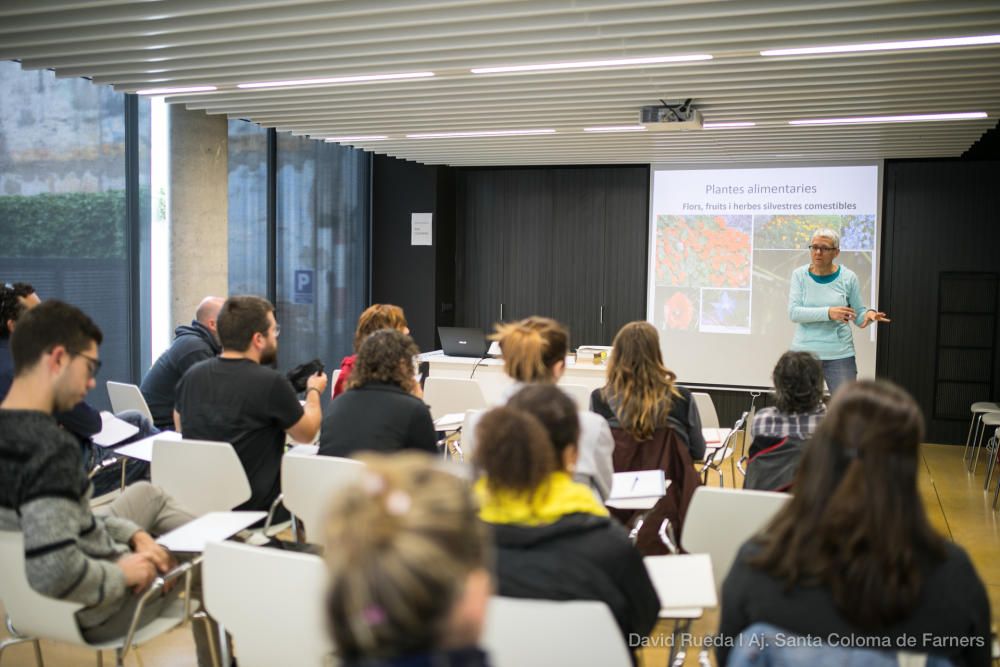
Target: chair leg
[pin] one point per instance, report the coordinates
(979, 447)
(11, 641)
(968, 438)
(992, 446)
(976, 435)
(996, 495)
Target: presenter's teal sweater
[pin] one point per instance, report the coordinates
(809, 301)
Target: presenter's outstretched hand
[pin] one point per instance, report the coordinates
(841, 313)
(874, 316)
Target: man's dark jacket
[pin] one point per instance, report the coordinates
(191, 344)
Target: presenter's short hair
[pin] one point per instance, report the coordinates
(828, 233)
(240, 318)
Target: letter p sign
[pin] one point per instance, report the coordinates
(304, 289)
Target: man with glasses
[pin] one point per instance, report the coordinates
(95, 558)
(238, 398)
(824, 298)
(82, 420)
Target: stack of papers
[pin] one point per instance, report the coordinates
(639, 484)
(450, 421)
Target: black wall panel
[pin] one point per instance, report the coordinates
(939, 216)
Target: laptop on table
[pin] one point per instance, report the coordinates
(463, 342)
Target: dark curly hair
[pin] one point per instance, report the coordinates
(798, 382)
(386, 356)
(11, 306)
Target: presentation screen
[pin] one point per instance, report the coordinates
(723, 245)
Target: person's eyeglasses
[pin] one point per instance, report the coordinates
(277, 330)
(93, 365)
(821, 248)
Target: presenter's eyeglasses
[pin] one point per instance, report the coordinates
(821, 248)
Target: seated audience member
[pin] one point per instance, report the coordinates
(192, 343)
(852, 553)
(656, 426)
(798, 399)
(82, 420)
(779, 433)
(534, 352)
(641, 394)
(379, 411)
(409, 568)
(101, 559)
(375, 317)
(238, 398)
(554, 539)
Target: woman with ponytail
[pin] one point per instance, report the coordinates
(852, 554)
(554, 539)
(641, 394)
(534, 353)
(409, 568)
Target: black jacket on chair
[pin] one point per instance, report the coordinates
(579, 557)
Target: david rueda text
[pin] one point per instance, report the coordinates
(780, 639)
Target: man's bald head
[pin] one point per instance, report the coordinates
(208, 311)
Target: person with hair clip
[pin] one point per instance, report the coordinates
(554, 539)
(409, 567)
(852, 554)
(641, 394)
(534, 352)
(375, 317)
(381, 409)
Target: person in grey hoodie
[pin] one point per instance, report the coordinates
(192, 344)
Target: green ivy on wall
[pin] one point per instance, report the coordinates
(78, 224)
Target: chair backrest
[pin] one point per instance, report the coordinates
(579, 393)
(334, 375)
(539, 633)
(31, 613)
(201, 476)
(706, 409)
(126, 396)
(447, 395)
(271, 601)
(308, 482)
(720, 520)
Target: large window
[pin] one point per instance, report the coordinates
(66, 222)
(319, 217)
(322, 228)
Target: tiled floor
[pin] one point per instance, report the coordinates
(954, 500)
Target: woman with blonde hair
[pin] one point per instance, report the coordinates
(375, 317)
(409, 567)
(534, 352)
(641, 394)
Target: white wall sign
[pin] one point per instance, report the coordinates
(420, 229)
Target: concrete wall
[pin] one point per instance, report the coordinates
(199, 189)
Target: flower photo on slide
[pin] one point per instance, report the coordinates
(679, 310)
(703, 250)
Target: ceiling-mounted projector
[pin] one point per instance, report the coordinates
(666, 117)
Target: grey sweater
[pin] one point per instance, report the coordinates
(70, 553)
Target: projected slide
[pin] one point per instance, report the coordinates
(723, 246)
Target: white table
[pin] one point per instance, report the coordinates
(211, 527)
(644, 498)
(494, 380)
(683, 582)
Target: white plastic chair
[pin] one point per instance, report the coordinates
(540, 633)
(282, 622)
(719, 521)
(308, 482)
(126, 396)
(33, 616)
(201, 476)
(579, 393)
(334, 375)
(446, 395)
(706, 409)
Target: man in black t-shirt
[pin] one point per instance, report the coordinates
(237, 398)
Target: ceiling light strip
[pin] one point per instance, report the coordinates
(175, 91)
(916, 118)
(589, 64)
(887, 46)
(365, 78)
(616, 128)
(485, 133)
(358, 139)
(726, 126)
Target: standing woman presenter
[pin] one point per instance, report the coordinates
(823, 299)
